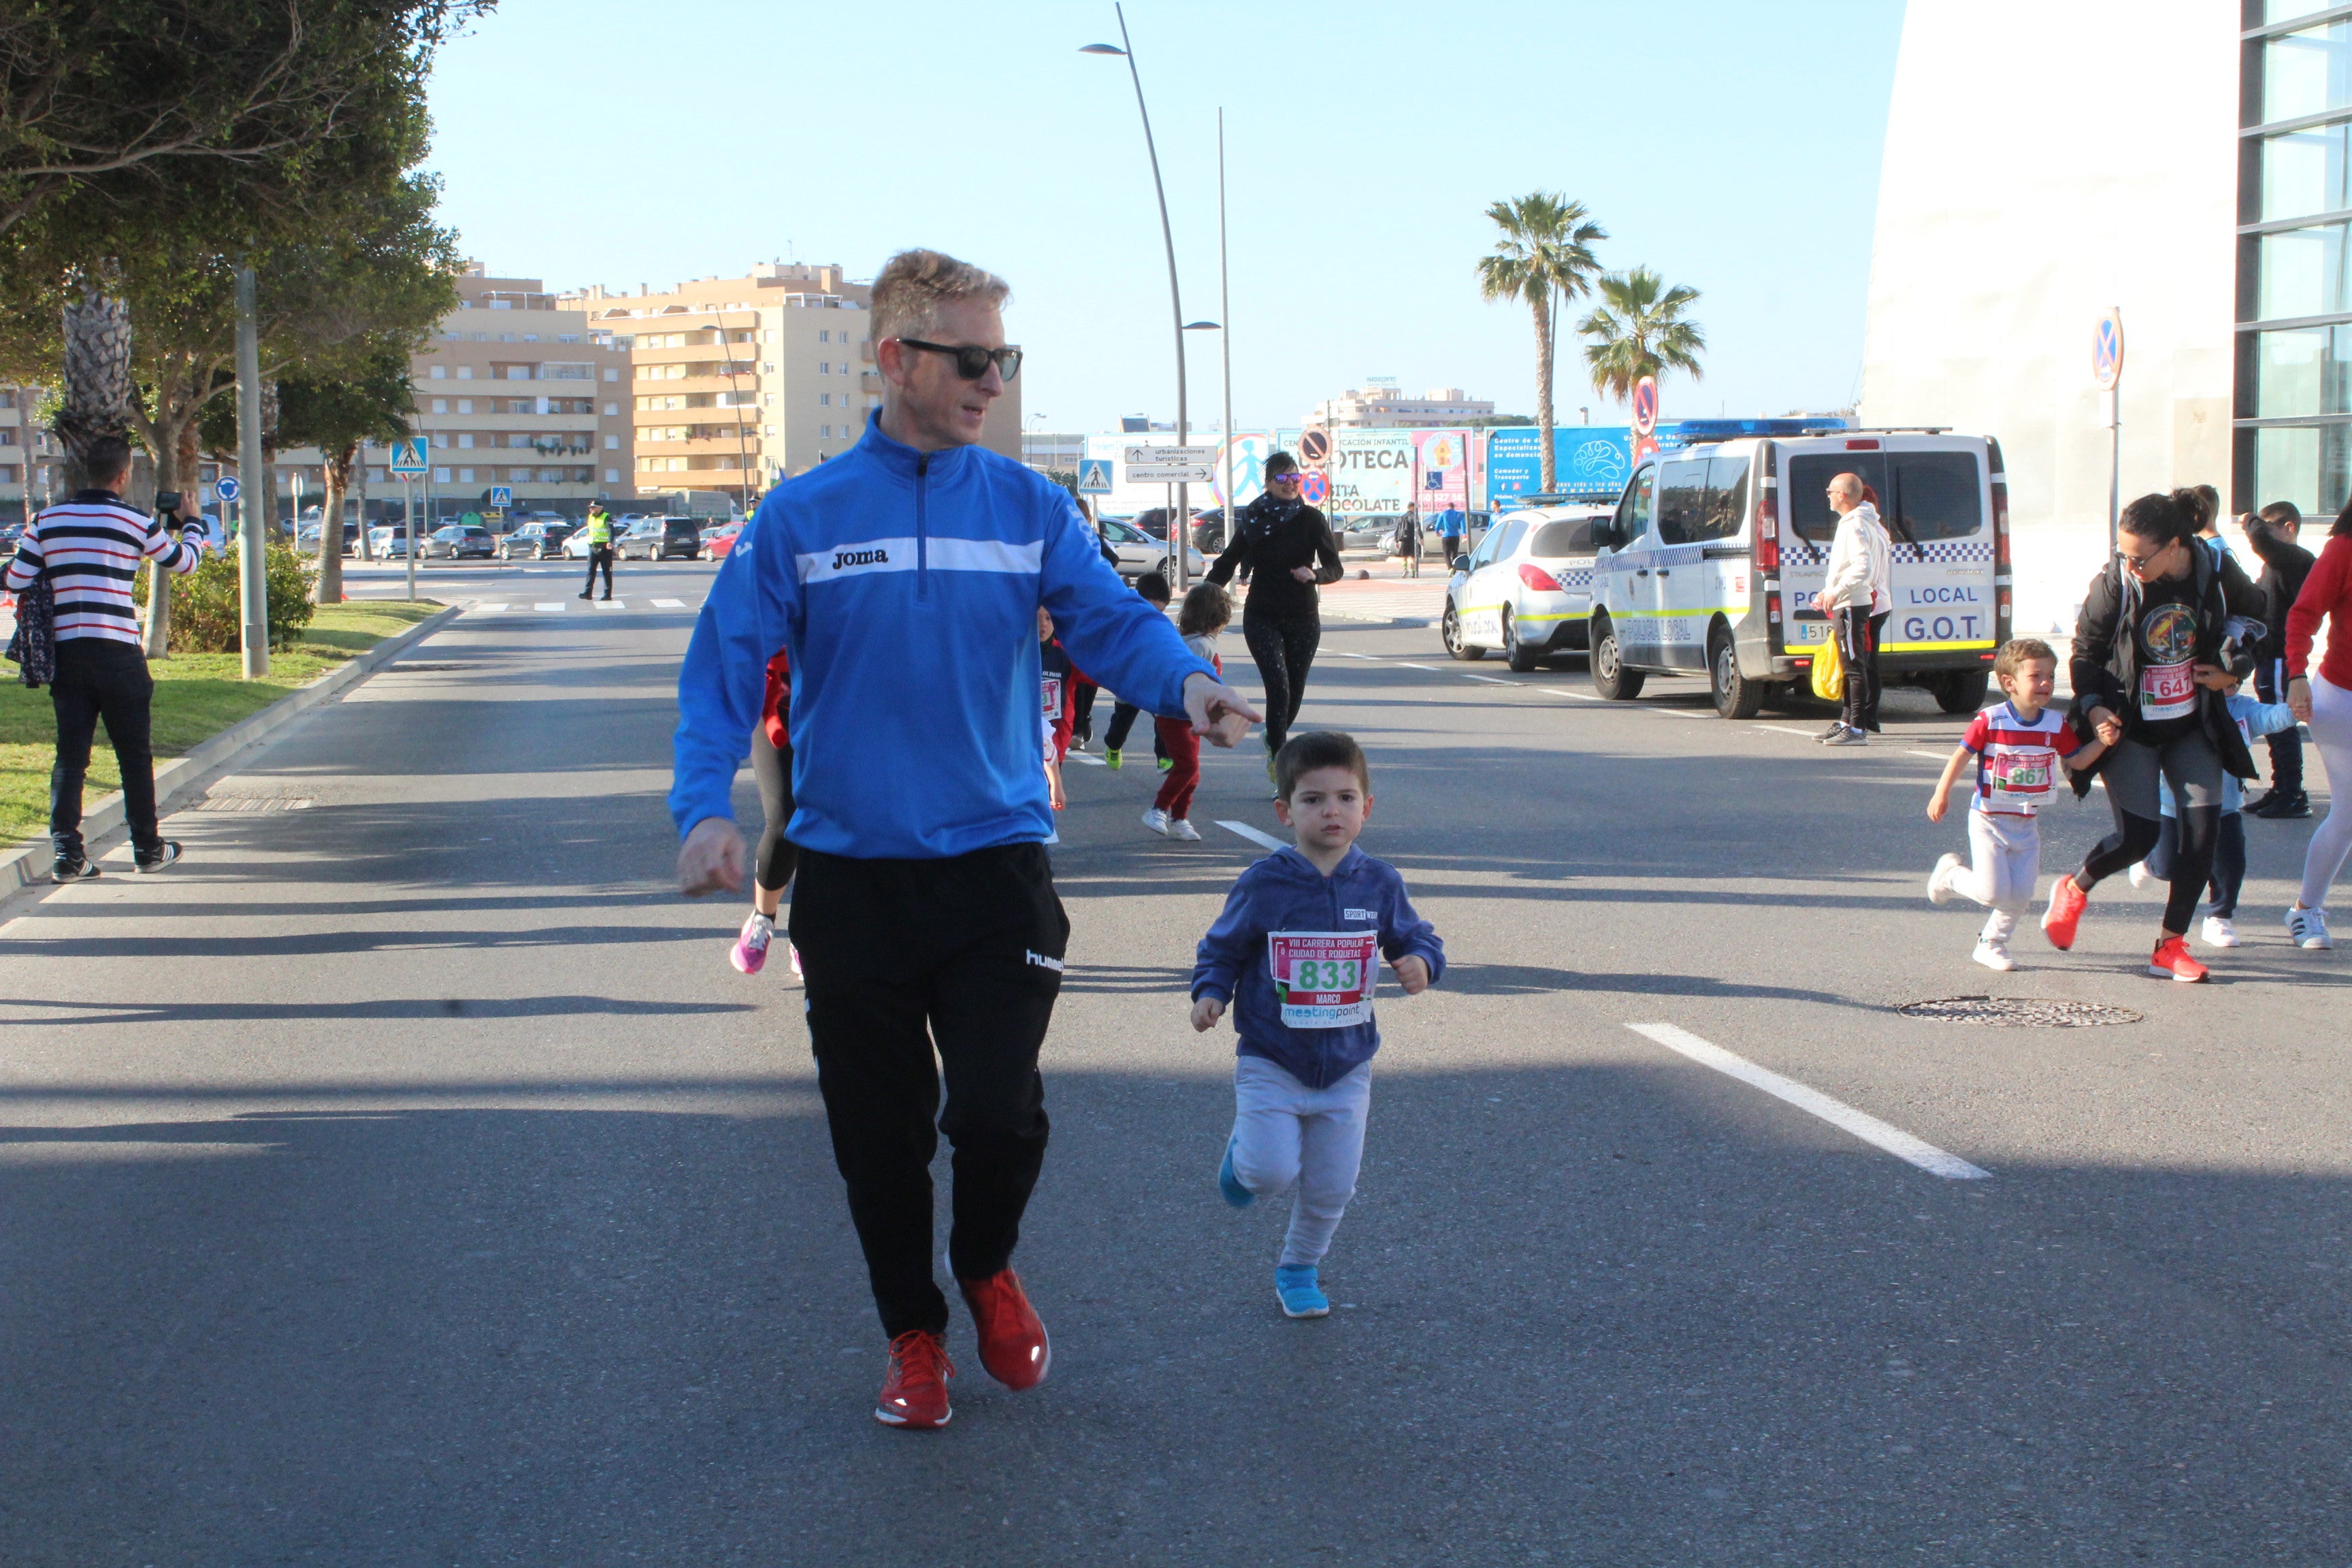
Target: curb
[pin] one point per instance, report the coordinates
(29, 866)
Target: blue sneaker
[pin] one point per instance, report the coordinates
(1301, 1297)
(1240, 1196)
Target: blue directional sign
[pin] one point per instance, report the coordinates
(1093, 476)
(410, 457)
(228, 488)
(502, 496)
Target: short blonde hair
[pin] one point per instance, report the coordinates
(916, 283)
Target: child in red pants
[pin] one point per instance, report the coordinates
(1203, 615)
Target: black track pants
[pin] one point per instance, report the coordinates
(1285, 652)
(600, 555)
(901, 958)
(771, 768)
(2191, 764)
(98, 677)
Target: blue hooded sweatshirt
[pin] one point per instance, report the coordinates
(906, 586)
(1285, 892)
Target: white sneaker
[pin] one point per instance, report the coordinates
(2140, 875)
(1157, 820)
(2218, 932)
(1180, 828)
(1994, 955)
(1940, 881)
(2309, 929)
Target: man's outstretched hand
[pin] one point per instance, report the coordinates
(711, 858)
(1217, 711)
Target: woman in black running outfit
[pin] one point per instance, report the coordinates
(1289, 549)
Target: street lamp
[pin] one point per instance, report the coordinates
(1125, 48)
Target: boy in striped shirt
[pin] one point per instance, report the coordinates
(90, 547)
(2017, 747)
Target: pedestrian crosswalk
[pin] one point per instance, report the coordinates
(560, 606)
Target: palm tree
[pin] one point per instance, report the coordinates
(1638, 330)
(1544, 257)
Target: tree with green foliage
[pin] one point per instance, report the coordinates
(1544, 258)
(1638, 330)
(338, 414)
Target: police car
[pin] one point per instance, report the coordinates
(1713, 556)
(1527, 589)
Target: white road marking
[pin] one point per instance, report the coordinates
(1343, 653)
(557, 606)
(480, 606)
(1784, 730)
(610, 604)
(1836, 1112)
(1931, 756)
(1491, 679)
(1580, 695)
(1431, 668)
(1251, 833)
(669, 604)
(1089, 760)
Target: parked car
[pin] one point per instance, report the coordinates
(307, 540)
(534, 542)
(575, 544)
(389, 542)
(717, 541)
(663, 539)
(1527, 589)
(1139, 553)
(1711, 561)
(457, 542)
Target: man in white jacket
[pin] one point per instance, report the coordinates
(1857, 598)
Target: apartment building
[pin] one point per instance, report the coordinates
(737, 382)
(1379, 405)
(26, 449)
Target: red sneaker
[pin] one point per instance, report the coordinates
(2066, 902)
(2172, 962)
(915, 1394)
(1013, 1343)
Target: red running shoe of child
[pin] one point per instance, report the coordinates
(1013, 1343)
(915, 1393)
(2066, 902)
(2172, 962)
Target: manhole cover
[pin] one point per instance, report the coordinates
(2018, 1013)
(254, 802)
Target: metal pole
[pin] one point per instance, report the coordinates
(1179, 543)
(408, 521)
(1225, 333)
(253, 558)
(2114, 464)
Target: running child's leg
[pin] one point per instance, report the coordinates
(2017, 865)
(1331, 1150)
(2167, 844)
(1979, 881)
(1176, 788)
(1265, 1151)
(2229, 865)
(1122, 720)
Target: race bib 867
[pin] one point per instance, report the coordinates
(1324, 980)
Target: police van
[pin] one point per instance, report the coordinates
(1718, 546)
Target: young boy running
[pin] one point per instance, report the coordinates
(1297, 954)
(2017, 747)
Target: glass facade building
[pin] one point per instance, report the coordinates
(2293, 438)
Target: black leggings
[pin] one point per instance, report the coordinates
(1285, 651)
(2191, 764)
(773, 767)
(1122, 720)
(2229, 861)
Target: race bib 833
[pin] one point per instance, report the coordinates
(1324, 980)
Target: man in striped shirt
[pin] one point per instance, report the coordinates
(91, 548)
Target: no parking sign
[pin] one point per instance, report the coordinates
(1314, 487)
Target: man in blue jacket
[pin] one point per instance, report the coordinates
(905, 577)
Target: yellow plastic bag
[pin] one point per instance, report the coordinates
(1829, 670)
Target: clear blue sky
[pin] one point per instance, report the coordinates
(1732, 146)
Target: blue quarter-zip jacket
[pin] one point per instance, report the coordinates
(1285, 892)
(906, 586)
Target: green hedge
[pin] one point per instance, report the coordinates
(206, 616)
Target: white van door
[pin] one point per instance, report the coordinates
(1622, 580)
(1702, 572)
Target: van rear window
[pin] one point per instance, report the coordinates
(1568, 536)
(1922, 496)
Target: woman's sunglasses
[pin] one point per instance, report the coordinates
(972, 362)
(1287, 476)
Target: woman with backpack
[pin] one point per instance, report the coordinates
(2151, 665)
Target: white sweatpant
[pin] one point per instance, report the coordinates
(1286, 1136)
(2331, 732)
(2004, 860)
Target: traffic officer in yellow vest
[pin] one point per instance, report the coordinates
(600, 549)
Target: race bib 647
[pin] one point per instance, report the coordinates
(1324, 980)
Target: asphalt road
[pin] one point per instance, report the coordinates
(407, 1178)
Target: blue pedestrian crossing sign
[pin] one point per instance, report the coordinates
(502, 496)
(1093, 476)
(410, 456)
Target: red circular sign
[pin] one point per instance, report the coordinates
(1314, 487)
(1645, 406)
(1314, 447)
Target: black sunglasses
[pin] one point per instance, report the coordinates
(972, 362)
(1290, 474)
